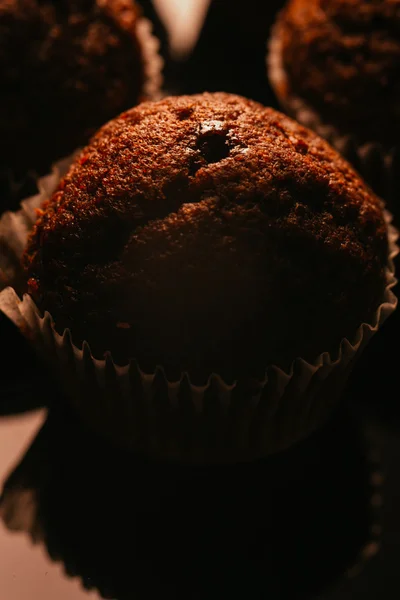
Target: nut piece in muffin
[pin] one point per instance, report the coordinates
(66, 67)
(342, 58)
(209, 234)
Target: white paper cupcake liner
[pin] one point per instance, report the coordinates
(377, 164)
(146, 412)
(153, 63)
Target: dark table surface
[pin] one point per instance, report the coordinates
(322, 521)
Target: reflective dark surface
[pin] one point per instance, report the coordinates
(284, 527)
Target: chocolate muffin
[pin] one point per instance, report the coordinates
(209, 234)
(67, 67)
(342, 58)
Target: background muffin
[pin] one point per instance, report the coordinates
(335, 65)
(209, 234)
(343, 58)
(67, 67)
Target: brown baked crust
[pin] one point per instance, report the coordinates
(343, 58)
(208, 233)
(67, 67)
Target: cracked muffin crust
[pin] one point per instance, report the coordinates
(208, 234)
(67, 67)
(342, 57)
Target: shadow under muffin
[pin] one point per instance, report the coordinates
(288, 526)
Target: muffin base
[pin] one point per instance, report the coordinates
(179, 420)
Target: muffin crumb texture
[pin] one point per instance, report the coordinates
(209, 234)
(343, 58)
(67, 66)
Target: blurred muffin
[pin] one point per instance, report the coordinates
(210, 235)
(67, 67)
(342, 57)
(335, 66)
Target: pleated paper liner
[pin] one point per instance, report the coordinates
(178, 420)
(377, 164)
(280, 527)
(153, 63)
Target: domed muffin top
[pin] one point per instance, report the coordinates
(67, 66)
(343, 58)
(208, 233)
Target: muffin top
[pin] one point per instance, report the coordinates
(343, 58)
(67, 66)
(208, 234)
